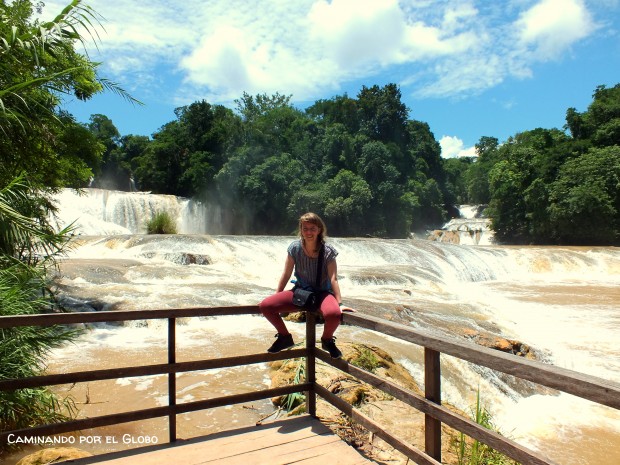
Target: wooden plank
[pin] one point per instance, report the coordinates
(172, 378)
(432, 392)
(314, 447)
(50, 319)
(310, 362)
(147, 370)
(301, 440)
(585, 386)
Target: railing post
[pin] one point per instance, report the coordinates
(172, 379)
(432, 391)
(310, 362)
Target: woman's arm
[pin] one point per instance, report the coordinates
(286, 274)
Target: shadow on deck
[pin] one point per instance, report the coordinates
(300, 440)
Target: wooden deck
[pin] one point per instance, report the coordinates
(298, 440)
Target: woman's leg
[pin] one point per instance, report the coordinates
(273, 305)
(331, 314)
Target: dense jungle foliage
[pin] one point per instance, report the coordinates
(370, 170)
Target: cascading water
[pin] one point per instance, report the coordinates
(470, 228)
(100, 211)
(562, 302)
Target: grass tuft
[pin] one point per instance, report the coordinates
(474, 452)
(293, 400)
(366, 360)
(161, 223)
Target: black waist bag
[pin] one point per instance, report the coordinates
(310, 299)
(307, 299)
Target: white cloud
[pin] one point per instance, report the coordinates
(453, 147)
(312, 48)
(551, 26)
(356, 33)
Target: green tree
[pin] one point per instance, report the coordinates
(267, 191)
(111, 173)
(477, 177)
(382, 114)
(585, 199)
(339, 110)
(163, 162)
(424, 153)
(375, 166)
(336, 148)
(130, 148)
(38, 64)
(348, 199)
(456, 170)
(81, 153)
(507, 182)
(600, 124)
(426, 202)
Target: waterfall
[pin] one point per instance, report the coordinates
(105, 212)
(470, 228)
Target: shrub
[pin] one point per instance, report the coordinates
(28, 247)
(23, 351)
(161, 223)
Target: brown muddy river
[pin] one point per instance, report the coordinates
(564, 303)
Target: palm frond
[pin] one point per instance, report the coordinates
(118, 90)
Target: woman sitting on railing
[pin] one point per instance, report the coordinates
(304, 257)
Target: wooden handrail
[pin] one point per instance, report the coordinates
(588, 387)
(438, 412)
(410, 451)
(172, 379)
(50, 319)
(146, 370)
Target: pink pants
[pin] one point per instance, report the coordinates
(282, 302)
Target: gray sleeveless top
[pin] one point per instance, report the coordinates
(305, 267)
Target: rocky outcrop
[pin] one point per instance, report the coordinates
(347, 387)
(439, 235)
(53, 455)
(492, 341)
(180, 258)
(464, 230)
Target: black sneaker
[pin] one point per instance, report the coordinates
(330, 346)
(283, 341)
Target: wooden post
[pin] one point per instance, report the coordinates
(310, 362)
(172, 379)
(432, 391)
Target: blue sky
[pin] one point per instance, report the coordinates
(467, 68)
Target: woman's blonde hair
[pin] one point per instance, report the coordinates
(317, 221)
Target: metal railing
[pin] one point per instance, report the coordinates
(588, 387)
